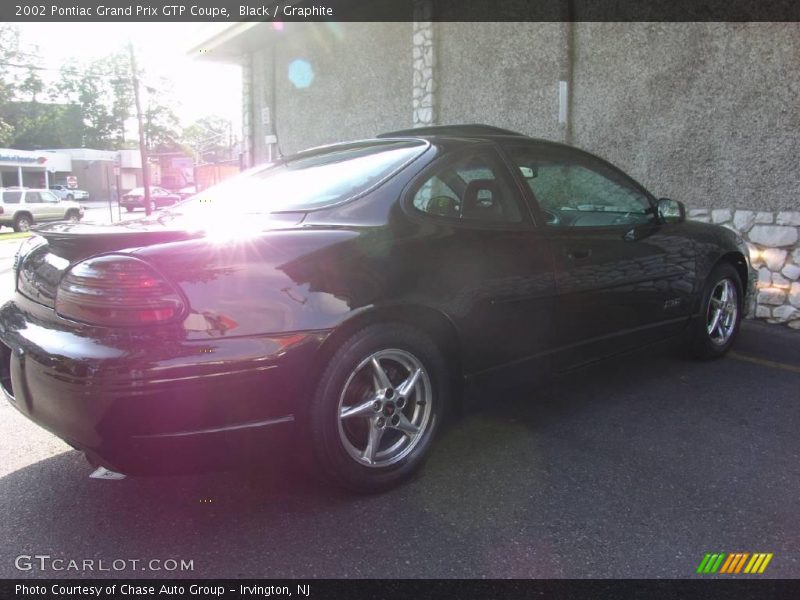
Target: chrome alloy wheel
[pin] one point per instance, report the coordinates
(723, 310)
(385, 408)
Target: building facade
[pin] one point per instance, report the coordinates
(27, 168)
(102, 172)
(705, 113)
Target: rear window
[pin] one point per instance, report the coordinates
(11, 197)
(312, 179)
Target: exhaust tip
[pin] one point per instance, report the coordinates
(103, 473)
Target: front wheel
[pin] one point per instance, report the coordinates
(73, 216)
(717, 326)
(378, 406)
(129, 208)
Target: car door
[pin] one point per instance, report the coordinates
(158, 196)
(161, 197)
(35, 205)
(52, 207)
(622, 280)
(483, 263)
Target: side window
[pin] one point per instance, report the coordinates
(12, 197)
(48, 197)
(33, 198)
(573, 194)
(472, 188)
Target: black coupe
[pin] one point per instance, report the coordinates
(340, 298)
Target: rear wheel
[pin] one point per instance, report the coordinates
(378, 406)
(717, 326)
(22, 223)
(70, 197)
(129, 208)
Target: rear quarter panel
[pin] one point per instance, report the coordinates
(280, 281)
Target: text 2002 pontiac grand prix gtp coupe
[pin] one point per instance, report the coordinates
(340, 296)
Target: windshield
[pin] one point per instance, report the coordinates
(311, 179)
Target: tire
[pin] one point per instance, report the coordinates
(22, 223)
(73, 216)
(70, 197)
(713, 334)
(378, 411)
(129, 208)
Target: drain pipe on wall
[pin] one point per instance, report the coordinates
(566, 85)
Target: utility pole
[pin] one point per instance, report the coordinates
(148, 207)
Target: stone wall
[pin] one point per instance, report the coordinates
(424, 56)
(775, 252)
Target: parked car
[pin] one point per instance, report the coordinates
(187, 191)
(20, 208)
(340, 298)
(67, 193)
(159, 196)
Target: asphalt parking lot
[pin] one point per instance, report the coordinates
(634, 467)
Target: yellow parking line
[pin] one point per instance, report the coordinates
(765, 363)
(15, 235)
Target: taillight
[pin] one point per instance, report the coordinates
(116, 291)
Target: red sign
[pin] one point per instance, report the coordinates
(72, 182)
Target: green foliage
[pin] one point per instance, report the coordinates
(102, 90)
(39, 125)
(89, 104)
(162, 130)
(9, 48)
(208, 138)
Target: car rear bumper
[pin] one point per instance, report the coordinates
(162, 407)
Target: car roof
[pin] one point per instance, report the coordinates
(473, 130)
(468, 131)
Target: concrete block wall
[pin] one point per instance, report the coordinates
(705, 113)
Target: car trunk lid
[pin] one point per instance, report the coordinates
(40, 269)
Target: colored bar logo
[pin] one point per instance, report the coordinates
(734, 563)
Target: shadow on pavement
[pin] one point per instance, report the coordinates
(631, 468)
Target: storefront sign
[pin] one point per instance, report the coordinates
(21, 159)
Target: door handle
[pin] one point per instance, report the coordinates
(579, 254)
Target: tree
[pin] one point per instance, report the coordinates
(161, 125)
(89, 104)
(29, 83)
(42, 125)
(93, 86)
(209, 138)
(9, 50)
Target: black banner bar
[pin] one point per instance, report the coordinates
(232, 11)
(392, 589)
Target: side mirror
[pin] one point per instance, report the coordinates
(671, 211)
